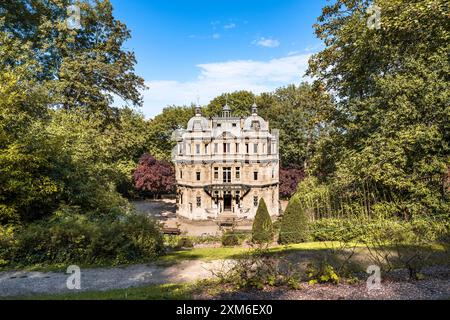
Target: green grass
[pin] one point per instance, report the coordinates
(153, 292)
(209, 254)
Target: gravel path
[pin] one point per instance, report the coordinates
(17, 283)
(395, 286)
(434, 289)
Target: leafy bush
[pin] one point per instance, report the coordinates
(394, 244)
(262, 230)
(363, 230)
(332, 229)
(294, 223)
(185, 242)
(258, 269)
(74, 238)
(322, 273)
(230, 239)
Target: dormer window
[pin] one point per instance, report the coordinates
(256, 125)
(197, 125)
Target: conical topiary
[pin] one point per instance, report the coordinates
(262, 230)
(294, 223)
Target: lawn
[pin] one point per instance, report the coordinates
(209, 254)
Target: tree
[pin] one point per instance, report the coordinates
(294, 223)
(56, 88)
(289, 179)
(154, 176)
(79, 67)
(240, 103)
(390, 126)
(262, 229)
(297, 111)
(161, 128)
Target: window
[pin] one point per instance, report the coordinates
(238, 173)
(216, 173)
(181, 174)
(255, 125)
(246, 148)
(255, 148)
(273, 173)
(197, 148)
(226, 148)
(181, 198)
(238, 197)
(255, 201)
(206, 148)
(234, 124)
(237, 147)
(198, 175)
(219, 125)
(255, 175)
(197, 125)
(199, 202)
(216, 148)
(227, 175)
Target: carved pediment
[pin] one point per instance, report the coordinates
(226, 135)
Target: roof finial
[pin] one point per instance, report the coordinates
(226, 110)
(254, 107)
(198, 111)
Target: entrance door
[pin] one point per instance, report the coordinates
(227, 202)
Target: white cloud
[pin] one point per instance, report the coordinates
(266, 42)
(217, 78)
(216, 36)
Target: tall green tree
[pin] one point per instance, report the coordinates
(56, 88)
(161, 128)
(294, 223)
(298, 112)
(390, 127)
(84, 67)
(262, 229)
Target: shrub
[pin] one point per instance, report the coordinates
(322, 273)
(262, 230)
(185, 242)
(258, 269)
(294, 223)
(333, 229)
(74, 238)
(230, 239)
(395, 244)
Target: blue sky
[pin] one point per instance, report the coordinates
(203, 48)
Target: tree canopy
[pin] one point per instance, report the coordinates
(390, 125)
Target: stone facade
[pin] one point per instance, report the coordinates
(225, 165)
